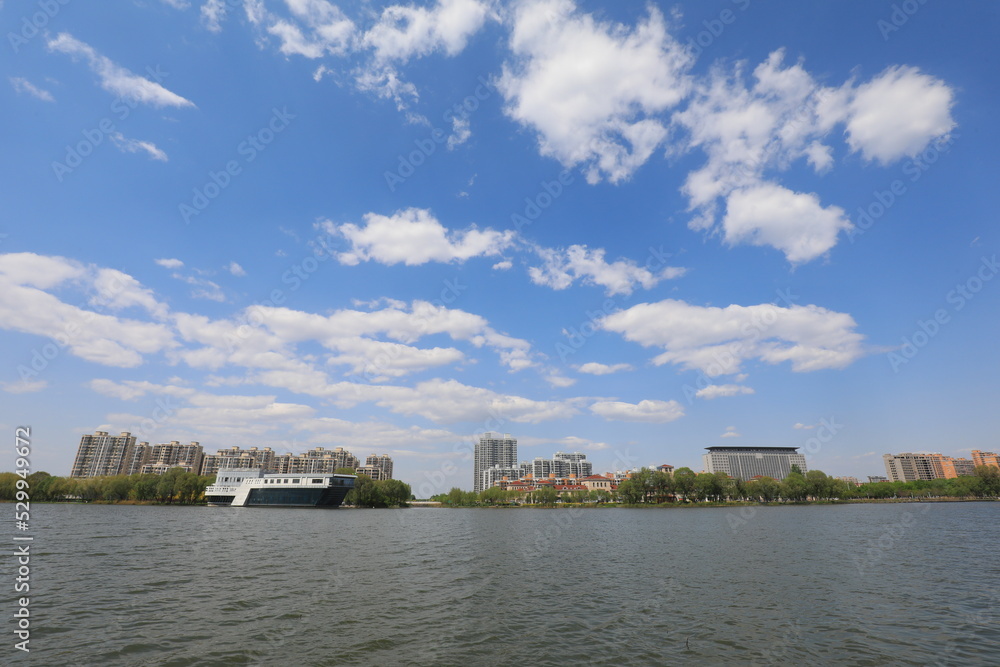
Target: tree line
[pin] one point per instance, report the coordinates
(368, 492)
(653, 487)
(176, 486)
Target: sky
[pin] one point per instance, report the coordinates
(630, 229)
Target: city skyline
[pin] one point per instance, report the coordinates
(629, 230)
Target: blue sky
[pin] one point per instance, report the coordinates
(636, 230)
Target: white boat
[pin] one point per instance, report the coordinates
(255, 488)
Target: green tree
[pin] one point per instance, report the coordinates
(684, 479)
(630, 492)
(546, 495)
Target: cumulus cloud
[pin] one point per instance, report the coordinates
(720, 390)
(718, 341)
(656, 412)
(898, 113)
(414, 236)
(750, 132)
(316, 28)
(592, 90)
(793, 222)
(731, 432)
(25, 386)
(577, 262)
(26, 306)
(116, 79)
(236, 269)
(169, 263)
(403, 32)
(595, 368)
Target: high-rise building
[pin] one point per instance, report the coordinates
(162, 457)
(910, 467)
(382, 463)
(561, 465)
(985, 458)
(493, 451)
(747, 462)
(317, 460)
(102, 455)
(235, 458)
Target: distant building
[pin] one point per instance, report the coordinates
(853, 481)
(747, 462)
(158, 459)
(666, 467)
(317, 460)
(875, 479)
(377, 467)
(493, 450)
(985, 458)
(560, 465)
(910, 467)
(235, 458)
(103, 455)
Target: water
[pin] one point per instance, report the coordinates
(910, 584)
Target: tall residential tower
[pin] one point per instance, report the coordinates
(494, 451)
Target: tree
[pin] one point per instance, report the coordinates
(630, 492)
(684, 482)
(395, 492)
(546, 495)
(795, 486)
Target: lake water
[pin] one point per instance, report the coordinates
(907, 584)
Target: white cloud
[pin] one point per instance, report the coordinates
(25, 86)
(213, 13)
(656, 412)
(719, 390)
(127, 145)
(93, 336)
(594, 368)
(403, 32)
(718, 341)
(577, 262)
(751, 132)
(731, 432)
(590, 89)
(898, 113)
(169, 263)
(414, 236)
(24, 386)
(115, 78)
(793, 222)
(319, 28)
(236, 269)
(557, 380)
(503, 266)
